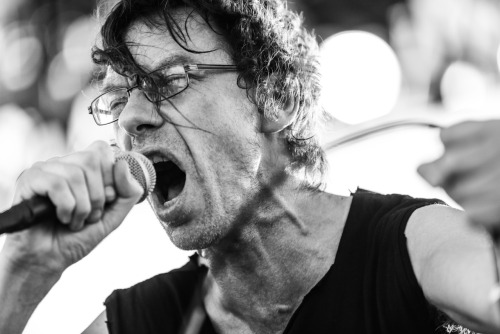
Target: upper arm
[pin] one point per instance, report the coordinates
(453, 263)
(98, 326)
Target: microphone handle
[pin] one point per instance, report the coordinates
(26, 214)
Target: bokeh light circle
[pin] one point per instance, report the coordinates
(361, 76)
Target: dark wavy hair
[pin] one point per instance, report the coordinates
(266, 40)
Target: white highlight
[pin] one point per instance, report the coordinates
(361, 76)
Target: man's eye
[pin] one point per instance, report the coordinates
(117, 105)
(175, 80)
(172, 84)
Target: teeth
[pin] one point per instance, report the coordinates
(156, 159)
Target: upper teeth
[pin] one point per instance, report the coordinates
(156, 159)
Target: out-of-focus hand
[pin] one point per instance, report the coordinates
(469, 170)
(92, 196)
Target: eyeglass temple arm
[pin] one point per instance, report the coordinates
(194, 67)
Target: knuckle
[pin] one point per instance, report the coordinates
(65, 209)
(100, 145)
(83, 210)
(57, 185)
(102, 148)
(97, 202)
(90, 160)
(40, 166)
(76, 176)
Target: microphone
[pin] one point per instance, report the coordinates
(37, 209)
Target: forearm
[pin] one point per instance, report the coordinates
(21, 290)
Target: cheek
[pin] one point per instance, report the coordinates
(122, 139)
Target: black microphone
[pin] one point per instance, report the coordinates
(37, 209)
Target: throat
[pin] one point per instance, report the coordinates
(247, 313)
(170, 180)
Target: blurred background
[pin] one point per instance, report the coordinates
(384, 61)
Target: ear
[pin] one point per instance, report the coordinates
(285, 115)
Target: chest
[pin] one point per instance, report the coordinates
(231, 323)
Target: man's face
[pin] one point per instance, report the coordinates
(208, 133)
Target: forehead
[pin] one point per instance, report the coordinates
(154, 47)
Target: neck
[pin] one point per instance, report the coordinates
(263, 269)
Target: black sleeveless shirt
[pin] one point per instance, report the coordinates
(370, 289)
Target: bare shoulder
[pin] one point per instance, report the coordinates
(438, 231)
(98, 326)
(439, 222)
(453, 262)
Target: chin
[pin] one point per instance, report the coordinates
(188, 237)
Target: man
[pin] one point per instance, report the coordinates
(221, 97)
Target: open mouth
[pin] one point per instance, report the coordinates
(170, 180)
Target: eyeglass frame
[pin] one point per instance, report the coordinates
(187, 68)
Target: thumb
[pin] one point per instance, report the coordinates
(128, 191)
(127, 187)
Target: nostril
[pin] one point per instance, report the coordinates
(139, 115)
(144, 127)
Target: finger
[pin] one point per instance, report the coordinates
(128, 191)
(483, 214)
(76, 179)
(106, 166)
(466, 132)
(96, 163)
(478, 184)
(479, 197)
(457, 161)
(35, 181)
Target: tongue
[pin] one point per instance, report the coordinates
(174, 190)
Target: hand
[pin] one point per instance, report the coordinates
(92, 196)
(469, 170)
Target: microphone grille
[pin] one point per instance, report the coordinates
(141, 169)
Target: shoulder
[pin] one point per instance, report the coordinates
(436, 219)
(386, 209)
(390, 202)
(440, 238)
(449, 254)
(436, 227)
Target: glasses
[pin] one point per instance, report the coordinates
(157, 86)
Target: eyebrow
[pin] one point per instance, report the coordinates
(106, 85)
(173, 61)
(168, 61)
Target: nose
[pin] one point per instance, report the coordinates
(139, 115)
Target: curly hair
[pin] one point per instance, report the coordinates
(266, 41)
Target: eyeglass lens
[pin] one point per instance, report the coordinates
(159, 86)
